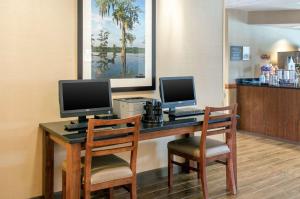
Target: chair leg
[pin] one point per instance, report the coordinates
(230, 176)
(198, 171)
(133, 194)
(203, 180)
(110, 193)
(186, 167)
(228, 183)
(170, 169)
(87, 194)
(63, 180)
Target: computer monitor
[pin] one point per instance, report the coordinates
(177, 92)
(79, 98)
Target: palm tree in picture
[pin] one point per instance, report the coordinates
(125, 14)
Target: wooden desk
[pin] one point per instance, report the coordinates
(74, 141)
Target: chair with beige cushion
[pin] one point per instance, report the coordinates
(203, 150)
(102, 169)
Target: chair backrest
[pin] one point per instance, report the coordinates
(220, 120)
(122, 137)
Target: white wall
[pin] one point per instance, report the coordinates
(262, 39)
(237, 34)
(38, 48)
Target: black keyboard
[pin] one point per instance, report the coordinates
(180, 121)
(76, 126)
(107, 117)
(84, 125)
(185, 113)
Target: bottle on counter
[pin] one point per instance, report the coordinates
(274, 80)
(291, 63)
(265, 71)
(262, 79)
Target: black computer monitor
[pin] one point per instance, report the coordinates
(79, 98)
(177, 92)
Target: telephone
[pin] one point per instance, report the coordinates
(153, 112)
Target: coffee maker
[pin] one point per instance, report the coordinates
(153, 112)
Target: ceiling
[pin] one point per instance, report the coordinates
(258, 5)
(289, 26)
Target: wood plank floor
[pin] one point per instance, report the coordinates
(267, 169)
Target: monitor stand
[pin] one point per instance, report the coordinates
(171, 111)
(77, 125)
(84, 119)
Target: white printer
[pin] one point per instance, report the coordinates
(126, 107)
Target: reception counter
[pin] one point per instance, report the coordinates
(269, 110)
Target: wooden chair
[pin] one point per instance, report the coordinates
(203, 150)
(102, 169)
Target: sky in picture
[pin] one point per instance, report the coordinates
(106, 23)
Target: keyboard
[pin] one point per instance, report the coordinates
(106, 117)
(187, 112)
(180, 121)
(76, 126)
(84, 125)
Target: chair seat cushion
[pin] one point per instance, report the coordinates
(107, 168)
(190, 146)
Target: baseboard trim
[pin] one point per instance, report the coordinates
(230, 86)
(140, 176)
(56, 195)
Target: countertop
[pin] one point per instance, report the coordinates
(255, 82)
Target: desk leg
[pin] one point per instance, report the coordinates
(187, 163)
(73, 181)
(48, 169)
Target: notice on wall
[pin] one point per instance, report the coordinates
(246, 53)
(236, 53)
(239, 53)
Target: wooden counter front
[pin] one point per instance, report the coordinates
(270, 111)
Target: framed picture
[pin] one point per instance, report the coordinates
(116, 40)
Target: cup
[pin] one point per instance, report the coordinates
(275, 80)
(262, 79)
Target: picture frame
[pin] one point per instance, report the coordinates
(130, 67)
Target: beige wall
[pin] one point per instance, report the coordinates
(38, 48)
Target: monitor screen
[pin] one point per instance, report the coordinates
(177, 90)
(84, 97)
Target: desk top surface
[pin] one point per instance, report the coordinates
(79, 136)
(254, 82)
